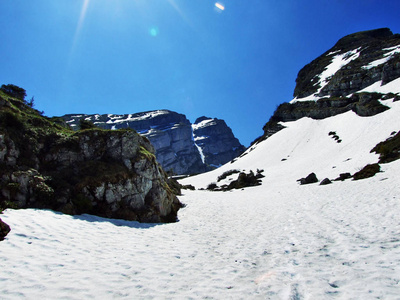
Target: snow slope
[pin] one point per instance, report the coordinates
(279, 240)
(305, 146)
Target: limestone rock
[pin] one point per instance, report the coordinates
(369, 46)
(359, 60)
(216, 141)
(110, 173)
(174, 139)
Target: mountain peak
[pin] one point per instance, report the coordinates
(201, 119)
(354, 63)
(359, 38)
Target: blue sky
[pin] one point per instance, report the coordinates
(127, 56)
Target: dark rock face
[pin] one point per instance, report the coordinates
(173, 138)
(363, 104)
(216, 141)
(357, 74)
(332, 84)
(107, 173)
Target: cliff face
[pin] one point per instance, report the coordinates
(175, 140)
(102, 172)
(354, 63)
(216, 141)
(344, 78)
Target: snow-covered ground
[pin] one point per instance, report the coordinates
(279, 240)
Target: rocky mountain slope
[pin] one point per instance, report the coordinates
(344, 78)
(181, 147)
(215, 141)
(350, 94)
(111, 173)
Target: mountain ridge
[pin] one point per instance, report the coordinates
(181, 147)
(338, 80)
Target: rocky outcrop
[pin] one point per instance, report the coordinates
(169, 132)
(366, 57)
(363, 104)
(110, 173)
(334, 83)
(215, 141)
(174, 139)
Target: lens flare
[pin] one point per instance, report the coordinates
(154, 31)
(219, 6)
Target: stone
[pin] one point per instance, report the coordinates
(311, 178)
(343, 176)
(4, 230)
(368, 171)
(326, 181)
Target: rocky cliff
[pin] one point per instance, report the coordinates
(216, 142)
(111, 173)
(180, 147)
(344, 78)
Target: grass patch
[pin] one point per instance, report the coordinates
(147, 154)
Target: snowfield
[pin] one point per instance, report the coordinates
(279, 240)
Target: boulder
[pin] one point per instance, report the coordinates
(343, 176)
(4, 229)
(311, 178)
(325, 181)
(367, 172)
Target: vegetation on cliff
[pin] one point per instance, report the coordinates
(46, 164)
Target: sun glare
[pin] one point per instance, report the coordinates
(82, 16)
(78, 29)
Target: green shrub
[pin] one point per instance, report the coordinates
(14, 91)
(147, 154)
(11, 120)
